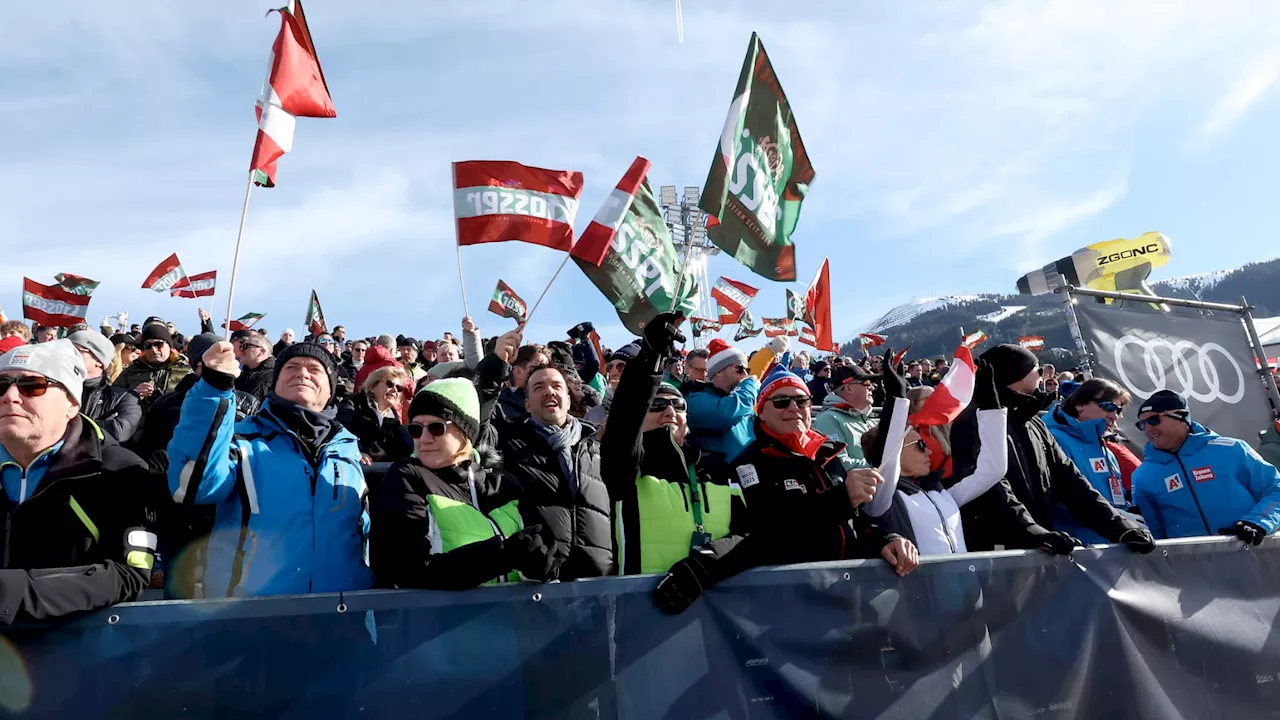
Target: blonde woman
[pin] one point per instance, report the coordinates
(936, 437)
(126, 352)
(372, 415)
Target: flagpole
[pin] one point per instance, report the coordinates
(235, 261)
(529, 315)
(462, 283)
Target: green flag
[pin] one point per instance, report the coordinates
(760, 174)
(76, 284)
(640, 266)
(795, 305)
(314, 321)
(746, 327)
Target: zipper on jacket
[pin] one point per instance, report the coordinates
(946, 531)
(1187, 478)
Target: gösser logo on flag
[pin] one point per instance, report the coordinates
(1205, 386)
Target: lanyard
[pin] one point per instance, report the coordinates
(700, 536)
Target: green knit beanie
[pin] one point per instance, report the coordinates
(453, 399)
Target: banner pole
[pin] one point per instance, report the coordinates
(457, 246)
(538, 302)
(235, 261)
(1273, 394)
(1074, 323)
(462, 283)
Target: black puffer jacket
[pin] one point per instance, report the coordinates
(1040, 476)
(115, 410)
(382, 439)
(258, 381)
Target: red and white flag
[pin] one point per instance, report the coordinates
(867, 340)
(807, 337)
(499, 200)
(1031, 342)
(732, 295)
(167, 276)
(775, 327)
(295, 88)
(593, 244)
(201, 285)
(51, 305)
(817, 307)
(974, 339)
(726, 317)
(952, 395)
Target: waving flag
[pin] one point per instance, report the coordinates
(245, 321)
(52, 305)
(773, 327)
(817, 307)
(295, 88)
(499, 200)
(795, 306)
(974, 339)
(314, 321)
(867, 340)
(899, 356)
(167, 276)
(760, 173)
(726, 317)
(732, 295)
(76, 284)
(1031, 342)
(507, 303)
(952, 395)
(201, 285)
(807, 337)
(703, 325)
(631, 260)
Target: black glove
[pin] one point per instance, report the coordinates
(526, 552)
(685, 581)
(1139, 539)
(661, 334)
(895, 386)
(1058, 543)
(1248, 532)
(985, 394)
(581, 331)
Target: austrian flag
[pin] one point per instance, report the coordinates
(52, 305)
(167, 276)
(593, 246)
(732, 295)
(201, 285)
(499, 200)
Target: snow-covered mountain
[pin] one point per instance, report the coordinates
(914, 308)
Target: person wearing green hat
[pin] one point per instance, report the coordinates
(670, 499)
(449, 518)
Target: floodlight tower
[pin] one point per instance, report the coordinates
(688, 225)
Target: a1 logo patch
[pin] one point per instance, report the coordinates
(794, 485)
(1173, 482)
(1202, 474)
(1099, 464)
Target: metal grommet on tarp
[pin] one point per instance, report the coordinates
(537, 597)
(113, 619)
(342, 607)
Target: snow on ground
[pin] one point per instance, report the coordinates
(1004, 313)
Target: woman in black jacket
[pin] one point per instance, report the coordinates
(372, 416)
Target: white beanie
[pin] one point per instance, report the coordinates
(723, 355)
(59, 361)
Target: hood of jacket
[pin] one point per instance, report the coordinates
(1023, 408)
(1086, 431)
(1199, 437)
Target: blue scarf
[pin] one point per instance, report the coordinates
(562, 440)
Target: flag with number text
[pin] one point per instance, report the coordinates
(52, 305)
(202, 285)
(499, 200)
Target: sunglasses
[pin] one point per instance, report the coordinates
(1111, 407)
(660, 404)
(1154, 420)
(153, 344)
(29, 386)
(863, 383)
(246, 346)
(920, 444)
(392, 386)
(434, 429)
(325, 341)
(782, 402)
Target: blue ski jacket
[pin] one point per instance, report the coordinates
(1082, 442)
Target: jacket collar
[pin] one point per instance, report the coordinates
(812, 444)
(664, 459)
(1090, 431)
(1022, 407)
(1199, 437)
(833, 402)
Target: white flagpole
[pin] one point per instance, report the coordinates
(529, 315)
(235, 262)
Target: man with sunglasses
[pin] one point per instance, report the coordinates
(846, 412)
(670, 500)
(722, 410)
(78, 509)
(257, 366)
(158, 370)
(1194, 482)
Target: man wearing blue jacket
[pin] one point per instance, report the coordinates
(286, 482)
(722, 410)
(1195, 482)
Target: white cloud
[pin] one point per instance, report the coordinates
(1251, 84)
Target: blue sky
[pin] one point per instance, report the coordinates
(957, 144)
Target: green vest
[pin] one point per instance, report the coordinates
(455, 524)
(667, 523)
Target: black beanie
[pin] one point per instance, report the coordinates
(1165, 401)
(310, 350)
(156, 331)
(199, 345)
(1009, 363)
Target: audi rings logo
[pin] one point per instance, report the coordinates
(1193, 369)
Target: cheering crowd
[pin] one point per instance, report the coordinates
(249, 468)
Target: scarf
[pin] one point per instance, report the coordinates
(562, 440)
(805, 444)
(313, 428)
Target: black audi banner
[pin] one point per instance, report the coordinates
(1207, 360)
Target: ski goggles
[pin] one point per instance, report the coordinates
(29, 386)
(662, 403)
(435, 428)
(1154, 420)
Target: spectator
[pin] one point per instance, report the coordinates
(722, 411)
(846, 413)
(1051, 396)
(647, 466)
(158, 371)
(46, 334)
(618, 361)
(373, 416)
(472, 352)
(258, 367)
(407, 348)
(937, 438)
(15, 328)
(556, 459)
(340, 339)
(449, 517)
(1050, 372)
(1040, 475)
(509, 402)
(820, 385)
(1080, 425)
(914, 378)
(695, 366)
(84, 538)
(356, 352)
(1195, 482)
(126, 352)
(800, 366)
(115, 410)
(915, 503)
(446, 352)
(289, 473)
(325, 340)
(377, 357)
(286, 339)
(428, 354)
